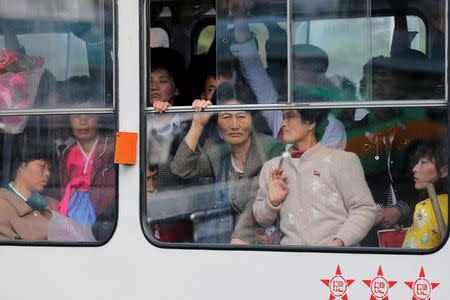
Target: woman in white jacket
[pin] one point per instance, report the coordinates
(319, 194)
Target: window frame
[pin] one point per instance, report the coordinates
(109, 111)
(145, 111)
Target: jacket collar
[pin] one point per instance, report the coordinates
(16, 202)
(101, 146)
(311, 152)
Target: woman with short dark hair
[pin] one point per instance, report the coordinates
(431, 166)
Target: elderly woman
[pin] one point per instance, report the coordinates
(431, 166)
(234, 163)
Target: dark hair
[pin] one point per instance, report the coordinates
(152, 167)
(311, 58)
(47, 86)
(79, 90)
(435, 150)
(317, 116)
(225, 92)
(201, 67)
(171, 61)
(30, 151)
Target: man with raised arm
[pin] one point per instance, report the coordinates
(310, 82)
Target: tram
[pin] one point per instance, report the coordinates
(101, 92)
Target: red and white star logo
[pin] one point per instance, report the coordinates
(421, 288)
(338, 285)
(379, 286)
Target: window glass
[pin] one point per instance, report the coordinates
(330, 34)
(58, 180)
(252, 50)
(205, 39)
(49, 44)
(387, 53)
(231, 177)
(159, 37)
(200, 190)
(57, 177)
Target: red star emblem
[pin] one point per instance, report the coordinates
(379, 286)
(421, 288)
(338, 285)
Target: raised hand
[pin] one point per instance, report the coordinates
(161, 106)
(203, 118)
(278, 188)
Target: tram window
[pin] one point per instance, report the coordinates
(51, 42)
(196, 197)
(49, 46)
(329, 34)
(159, 37)
(202, 190)
(205, 39)
(44, 194)
(57, 174)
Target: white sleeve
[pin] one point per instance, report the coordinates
(334, 136)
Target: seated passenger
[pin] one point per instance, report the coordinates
(86, 169)
(234, 163)
(25, 213)
(382, 139)
(319, 194)
(431, 167)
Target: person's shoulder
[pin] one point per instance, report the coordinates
(69, 146)
(270, 144)
(341, 157)
(6, 197)
(271, 163)
(5, 193)
(52, 202)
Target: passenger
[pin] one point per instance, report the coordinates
(166, 78)
(234, 163)
(86, 170)
(24, 212)
(310, 65)
(165, 130)
(390, 132)
(27, 214)
(151, 176)
(201, 70)
(319, 194)
(431, 166)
